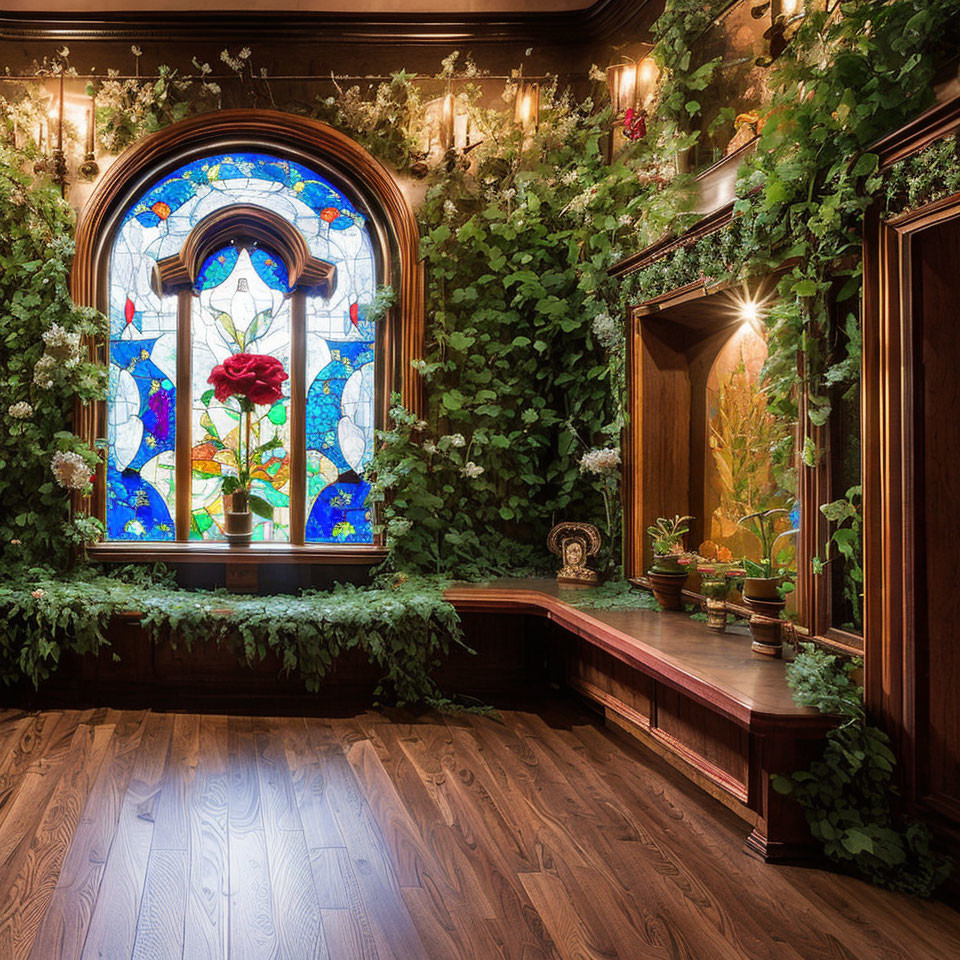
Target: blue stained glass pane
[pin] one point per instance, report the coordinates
(220, 264)
(340, 514)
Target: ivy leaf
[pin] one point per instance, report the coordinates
(260, 506)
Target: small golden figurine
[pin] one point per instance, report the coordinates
(573, 543)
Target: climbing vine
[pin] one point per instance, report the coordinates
(849, 794)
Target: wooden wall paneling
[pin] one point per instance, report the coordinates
(658, 435)
(912, 446)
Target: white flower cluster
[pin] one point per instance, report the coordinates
(449, 208)
(570, 177)
(20, 411)
(453, 440)
(600, 460)
(597, 73)
(236, 63)
(61, 343)
(70, 470)
(471, 470)
(43, 371)
(607, 331)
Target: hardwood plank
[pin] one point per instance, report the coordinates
(64, 926)
(28, 896)
(113, 926)
(207, 908)
(295, 903)
(160, 923)
(252, 931)
(393, 929)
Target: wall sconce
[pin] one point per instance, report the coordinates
(448, 129)
(632, 85)
(89, 170)
(53, 162)
(526, 111)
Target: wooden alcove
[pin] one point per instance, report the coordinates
(911, 394)
(672, 343)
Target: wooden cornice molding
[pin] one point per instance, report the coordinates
(603, 20)
(246, 222)
(934, 124)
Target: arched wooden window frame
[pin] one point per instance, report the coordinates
(393, 228)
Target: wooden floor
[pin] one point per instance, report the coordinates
(144, 835)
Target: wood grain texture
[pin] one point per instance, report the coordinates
(394, 836)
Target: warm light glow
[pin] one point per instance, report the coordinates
(789, 7)
(527, 109)
(647, 75)
(751, 312)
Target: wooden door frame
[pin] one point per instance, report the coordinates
(891, 436)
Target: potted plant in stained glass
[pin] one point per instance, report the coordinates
(668, 573)
(254, 380)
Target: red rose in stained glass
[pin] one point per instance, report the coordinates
(129, 310)
(355, 314)
(161, 209)
(249, 375)
(329, 214)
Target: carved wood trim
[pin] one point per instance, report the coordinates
(246, 222)
(601, 20)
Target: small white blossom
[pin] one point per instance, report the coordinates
(136, 51)
(421, 425)
(37, 594)
(70, 470)
(20, 411)
(598, 74)
(449, 208)
(570, 178)
(607, 330)
(600, 460)
(453, 440)
(625, 220)
(61, 343)
(43, 371)
(508, 194)
(471, 470)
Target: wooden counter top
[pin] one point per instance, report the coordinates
(719, 670)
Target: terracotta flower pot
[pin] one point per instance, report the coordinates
(762, 588)
(667, 588)
(238, 520)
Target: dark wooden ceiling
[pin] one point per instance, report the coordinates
(419, 21)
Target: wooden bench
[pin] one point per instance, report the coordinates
(715, 710)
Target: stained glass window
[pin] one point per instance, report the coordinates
(242, 302)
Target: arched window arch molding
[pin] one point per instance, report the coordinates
(349, 168)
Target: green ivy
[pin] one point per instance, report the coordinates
(36, 251)
(404, 627)
(848, 795)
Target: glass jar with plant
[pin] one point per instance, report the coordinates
(668, 572)
(718, 573)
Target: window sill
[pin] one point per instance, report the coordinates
(258, 553)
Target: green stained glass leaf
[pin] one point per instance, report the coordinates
(278, 413)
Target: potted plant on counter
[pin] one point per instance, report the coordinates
(766, 583)
(718, 573)
(766, 580)
(668, 573)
